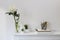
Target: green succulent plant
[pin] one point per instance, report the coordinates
(26, 26)
(44, 25)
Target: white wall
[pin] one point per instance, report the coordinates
(33, 12)
(2, 25)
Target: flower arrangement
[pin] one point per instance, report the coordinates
(16, 16)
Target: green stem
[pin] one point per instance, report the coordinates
(16, 24)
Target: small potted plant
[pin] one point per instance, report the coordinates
(26, 28)
(44, 25)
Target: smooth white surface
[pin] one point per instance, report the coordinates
(38, 34)
(57, 33)
(30, 33)
(33, 12)
(3, 32)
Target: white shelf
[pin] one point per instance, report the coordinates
(41, 33)
(57, 33)
(29, 33)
